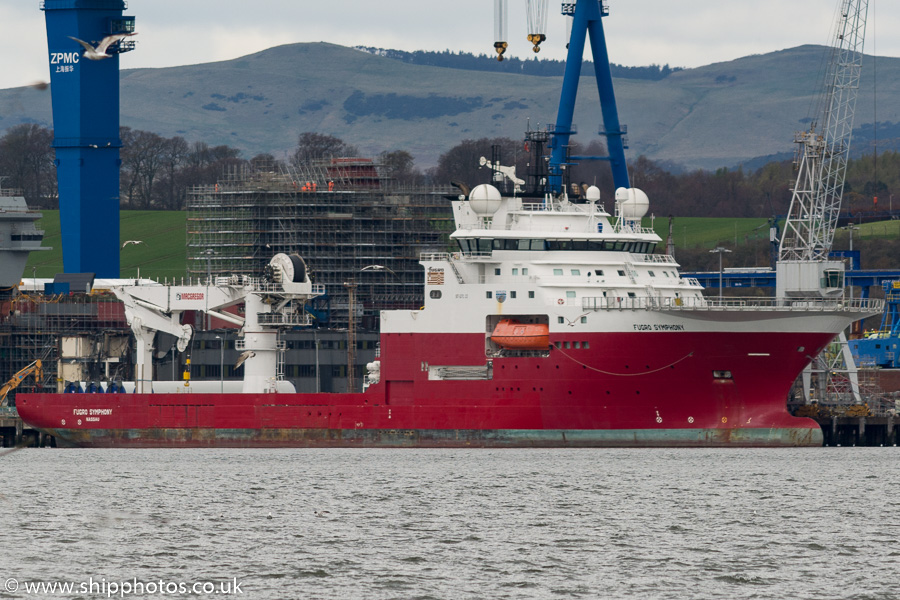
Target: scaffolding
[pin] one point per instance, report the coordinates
(78, 337)
(340, 215)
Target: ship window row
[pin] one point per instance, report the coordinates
(512, 294)
(26, 237)
(562, 320)
(487, 245)
(570, 345)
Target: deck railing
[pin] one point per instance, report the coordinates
(873, 305)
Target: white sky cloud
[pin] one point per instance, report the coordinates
(689, 33)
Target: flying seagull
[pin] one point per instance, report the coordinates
(244, 356)
(99, 53)
(132, 242)
(571, 322)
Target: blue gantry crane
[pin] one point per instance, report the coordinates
(586, 21)
(85, 97)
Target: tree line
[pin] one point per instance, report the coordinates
(538, 67)
(156, 172)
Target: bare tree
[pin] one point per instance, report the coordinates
(399, 166)
(461, 163)
(174, 153)
(26, 161)
(313, 146)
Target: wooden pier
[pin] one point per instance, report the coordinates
(860, 430)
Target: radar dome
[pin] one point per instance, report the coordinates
(592, 193)
(632, 202)
(485, 199)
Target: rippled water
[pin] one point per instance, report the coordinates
(733, 523)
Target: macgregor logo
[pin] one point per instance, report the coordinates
(189, 296)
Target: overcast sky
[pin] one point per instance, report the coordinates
(686, 33)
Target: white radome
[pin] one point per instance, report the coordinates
(485, 200)
(633, 203)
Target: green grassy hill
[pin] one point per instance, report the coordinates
(163, 253)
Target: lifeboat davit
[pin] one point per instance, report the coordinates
(512, 335)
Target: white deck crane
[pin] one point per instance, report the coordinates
(271, 302)
(803, 268)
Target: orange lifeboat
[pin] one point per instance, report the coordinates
(512, 335)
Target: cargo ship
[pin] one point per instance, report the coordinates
(554, 323)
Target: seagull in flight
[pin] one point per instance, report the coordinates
(571, 322)
(99, 53)
(244, 356)
(132, 241)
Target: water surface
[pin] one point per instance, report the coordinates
(446, 524)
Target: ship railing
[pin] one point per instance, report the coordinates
(731, 304)
(434, 256)
(446, 256)
(286, 319)
(634, 229)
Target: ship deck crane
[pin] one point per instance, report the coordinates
(270, 303)
(35, 368)
(803, 268)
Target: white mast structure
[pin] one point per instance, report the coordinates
(803, 268)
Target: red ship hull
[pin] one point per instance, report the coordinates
(610, 389)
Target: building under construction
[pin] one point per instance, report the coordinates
(356, 230)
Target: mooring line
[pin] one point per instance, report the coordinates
(688, 355)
